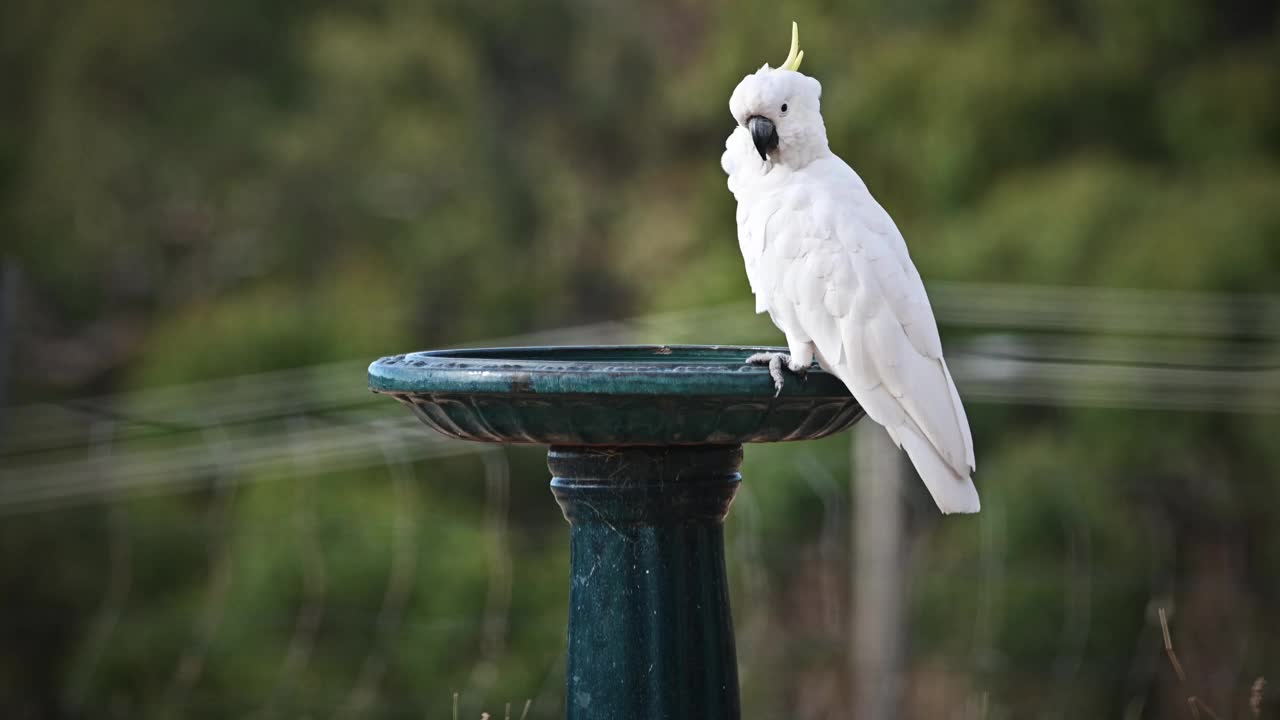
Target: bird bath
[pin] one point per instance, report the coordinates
(645, 446)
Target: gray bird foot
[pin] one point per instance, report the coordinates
(775, 362)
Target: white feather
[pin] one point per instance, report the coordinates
(830, 267)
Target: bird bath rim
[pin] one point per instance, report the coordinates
(613, 395)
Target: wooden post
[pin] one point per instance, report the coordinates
(878, 575)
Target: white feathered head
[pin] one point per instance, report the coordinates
(779, 107)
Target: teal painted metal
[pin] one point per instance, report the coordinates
(650, 634)
(646, 446)
(636, 395)
(594, 370)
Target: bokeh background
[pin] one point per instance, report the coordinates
(214, 215)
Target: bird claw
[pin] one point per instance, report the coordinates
(774, 361)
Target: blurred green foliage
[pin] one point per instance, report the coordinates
(197, 190)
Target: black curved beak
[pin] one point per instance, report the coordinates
(763, 134)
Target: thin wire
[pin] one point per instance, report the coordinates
(1142, 312)
(1038, 375)
(279, 393)
(340, 447)
(979, 378)
(1147, 312)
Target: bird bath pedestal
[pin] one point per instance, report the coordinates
(645, 448)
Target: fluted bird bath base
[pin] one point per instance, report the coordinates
(646, 444)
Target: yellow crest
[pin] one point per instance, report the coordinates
(796, 55)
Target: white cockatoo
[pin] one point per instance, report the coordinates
(831, 269)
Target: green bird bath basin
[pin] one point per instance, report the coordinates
(645, 448)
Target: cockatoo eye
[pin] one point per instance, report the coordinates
(784, 107)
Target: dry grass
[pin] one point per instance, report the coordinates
(486, 716)
(1194, 703)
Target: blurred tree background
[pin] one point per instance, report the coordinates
(192, 191)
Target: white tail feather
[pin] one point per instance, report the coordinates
(954, 493)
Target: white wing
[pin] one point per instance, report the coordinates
(831, 267)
